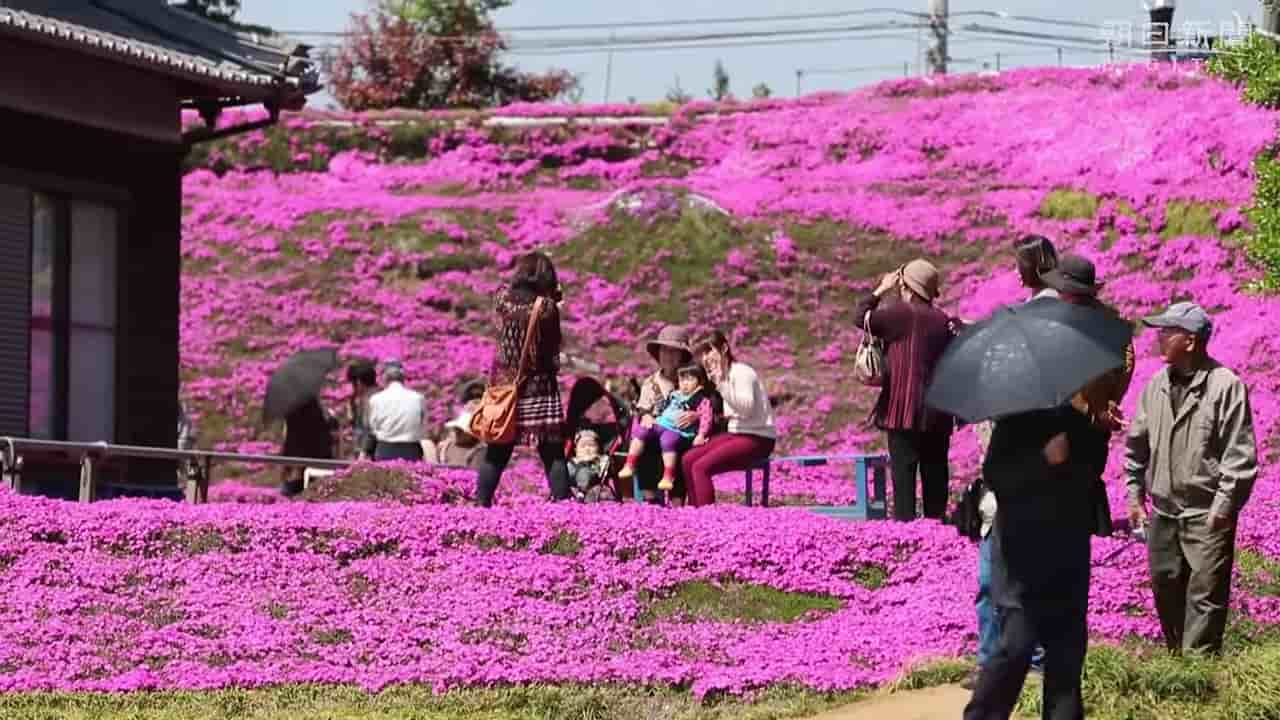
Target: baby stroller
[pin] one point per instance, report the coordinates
(586, 395)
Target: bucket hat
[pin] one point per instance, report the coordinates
(672, 336)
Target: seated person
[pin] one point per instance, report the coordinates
(588, 465)
(459, 447)
(689, 396)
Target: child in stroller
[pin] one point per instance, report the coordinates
(690, 395)
(598, 414)
(588, 465)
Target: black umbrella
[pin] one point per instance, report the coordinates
(297, 381)
(1026, 357)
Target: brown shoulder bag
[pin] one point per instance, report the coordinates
(494, 421)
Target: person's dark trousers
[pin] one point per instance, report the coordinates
(398, 451)
(1191, 580)
(1042, 596)
(496, 458)
(912, 452)
(1064, 633)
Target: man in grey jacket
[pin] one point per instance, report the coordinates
(1192, 449)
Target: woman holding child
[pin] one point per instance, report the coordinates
(671, 351)
(751, 434)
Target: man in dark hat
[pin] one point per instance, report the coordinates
(1076, 280)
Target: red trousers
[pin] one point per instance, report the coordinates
(724, 453)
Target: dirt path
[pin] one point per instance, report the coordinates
(939, 703)
(945, 702)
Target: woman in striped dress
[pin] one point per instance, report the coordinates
(915, 335)
(539, 414)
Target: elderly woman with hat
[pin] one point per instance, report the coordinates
(915, 334)
(671, 351)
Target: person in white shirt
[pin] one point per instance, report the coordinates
(396, 417)
(751, 436)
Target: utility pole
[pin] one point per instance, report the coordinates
(938, 16)
(608, 72)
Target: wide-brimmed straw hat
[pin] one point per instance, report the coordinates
(672, 336)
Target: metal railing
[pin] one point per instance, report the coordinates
(91, 455)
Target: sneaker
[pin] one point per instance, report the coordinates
(666, 484)
(626, 472)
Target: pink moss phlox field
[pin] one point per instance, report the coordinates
(402, 258)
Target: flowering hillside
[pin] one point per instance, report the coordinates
(768, 219)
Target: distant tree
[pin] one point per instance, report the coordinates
(677, 95)
(433, 54)
(762, 90)
(223, 11)
(720, 84)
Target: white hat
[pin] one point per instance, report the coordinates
(461, 422)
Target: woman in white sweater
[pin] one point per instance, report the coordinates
(751, 435)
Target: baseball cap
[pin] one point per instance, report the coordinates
(1184, 316)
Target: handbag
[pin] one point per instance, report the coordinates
(868, 363)
(494, 420)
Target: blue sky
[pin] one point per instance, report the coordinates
(646, 75)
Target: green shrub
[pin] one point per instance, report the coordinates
(1264, 244)
(1253, 63)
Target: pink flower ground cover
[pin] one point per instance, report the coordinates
(770, 222)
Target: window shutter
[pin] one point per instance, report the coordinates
(15, 309)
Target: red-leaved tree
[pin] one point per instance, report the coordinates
(430, 54)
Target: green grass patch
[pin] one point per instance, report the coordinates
(1065, 204)
(1258, 573)
(693, 241)
(533, 702)
(371, 483)
(566, 543)
(1189, 218)
(871, 577)
(738, 602)
(934, 673)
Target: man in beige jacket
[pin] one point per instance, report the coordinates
(1192, 449)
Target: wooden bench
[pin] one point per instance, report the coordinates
(869, 475)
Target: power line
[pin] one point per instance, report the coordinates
(712, 40)
(656, 23)
(615, 41)
(699, 46)
(734, 21)
(605, 43)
